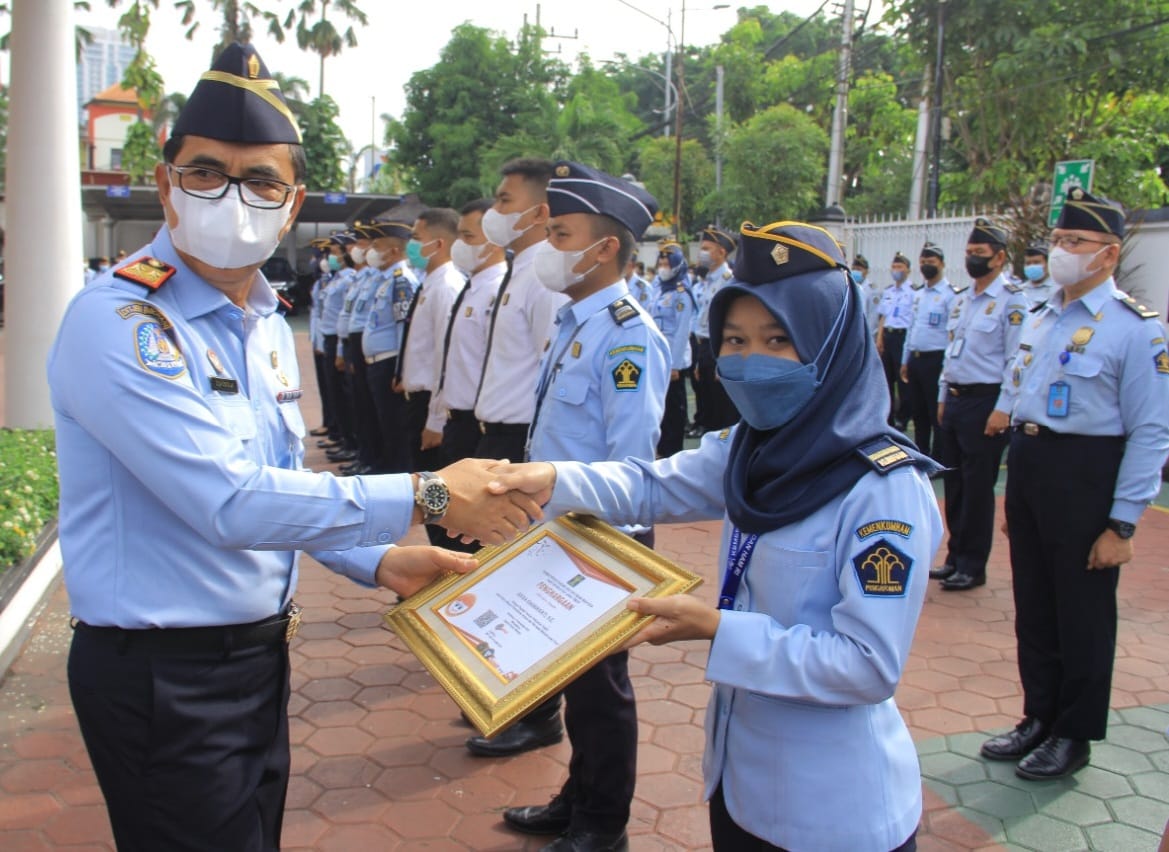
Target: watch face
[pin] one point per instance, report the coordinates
(435, 497)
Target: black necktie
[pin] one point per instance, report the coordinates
(406, 333)
(450, 324)
(491, 330)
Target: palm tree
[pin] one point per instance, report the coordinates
(237, 21)
(317, 33)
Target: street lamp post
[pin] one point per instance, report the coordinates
(936, 129)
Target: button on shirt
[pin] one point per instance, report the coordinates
(468, 346)
(526, 311)
(389, 305)
(932, 306)
(673, 310)
(984, 331)
(897, 305)
(1116, 370)
(183, 501)
(427, 329)
(602, 385)
(715, 281)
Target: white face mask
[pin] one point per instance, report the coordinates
(374, 258)
(467, 258)
(323, 265)
(225, 233)
(554, 268)
(500, 228)
(357, 255)
(1067, 269)
(704, 258)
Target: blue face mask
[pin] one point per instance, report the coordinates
(768, 391)
(899, 276)
(414, 253)
(334, 262)
(1034, 271)
(858, 277)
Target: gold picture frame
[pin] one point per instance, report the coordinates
(538, 612)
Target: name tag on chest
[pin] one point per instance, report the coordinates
(224, 385)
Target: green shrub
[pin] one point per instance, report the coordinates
(28, 491)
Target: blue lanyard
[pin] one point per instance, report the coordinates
(738, 557)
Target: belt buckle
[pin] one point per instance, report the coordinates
(1031, 429)
(294, 612)
(482, 428)
(954, 392)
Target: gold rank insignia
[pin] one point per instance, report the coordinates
(1161, 359)
(216, 364)
(576, 349)
(1082, 336)
(626, 376)
(780, 254)
(469, 311)
(990, 307)
(547, 343)
(274, 357)
(147, 271)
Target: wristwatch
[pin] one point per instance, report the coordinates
(432, 496)
(1123, 529)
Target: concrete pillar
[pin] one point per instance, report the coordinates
(43, 185)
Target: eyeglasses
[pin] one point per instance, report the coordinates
(1074, 242)
(202, 182)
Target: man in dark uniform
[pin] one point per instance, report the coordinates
(717, 410)
(1089, 436)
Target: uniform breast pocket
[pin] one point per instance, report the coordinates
(293, 420)
(235, 414)
(564, 411)
(793, 586)
(985, 324)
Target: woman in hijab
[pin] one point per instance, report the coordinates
(830, 526)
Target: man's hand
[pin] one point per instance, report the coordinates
(405, 570)
(941, 411)
(679, 617)
(488, 516)
(430, 439)
(1110, 550)
(534, 478)
(880, 343)
(675, 375)
(997, 423)
(339, 364)
(396, 386)
(697, 373)
(905, 373)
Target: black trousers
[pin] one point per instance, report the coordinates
(365, 419)
(972, 462)
(673, 418)
(336, 384)
(924, 368)
(191, 751)
(510, 444)
(728, 836)
(417, 410)
(718, 412)
(696, 385)
(328, 420)
(1059, 494)
(893, 344)
(460, 437)
(396, 456)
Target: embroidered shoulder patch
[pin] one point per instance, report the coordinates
(885, 526)
(157, 353)
(626, 376)
(1161, 359)
(624, 350)
(724, 434)
(622, 311)
(147, 271)
(882, 570)
(144, 309)
(884, 455)
(1015, 317)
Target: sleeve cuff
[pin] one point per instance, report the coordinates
(389, 508)
(359, 564)
(1127, 511)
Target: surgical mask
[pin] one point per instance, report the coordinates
(500, 228)
(553, 267)
(334, 263)
(103, 267)
(899, 276)
(668, 273)
(704, 258)
(357, 255)
(977, 266)
(1068, 269)
(858, 277)
(374, 258)
(414, 252)
(324, 264)
(467, 257)
(929, 271)
(225, 232)
(1034, 271)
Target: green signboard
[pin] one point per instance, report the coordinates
(1068, 175)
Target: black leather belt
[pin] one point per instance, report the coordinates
(929, 353)
(973, 390)
(503, 428)
(198, 640)
(1038, 430)
(895, 330)
(460, 414)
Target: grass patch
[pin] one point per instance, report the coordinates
(28, 491)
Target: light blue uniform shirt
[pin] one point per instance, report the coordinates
(715, 281)
(931, 313)
(1038, 293)
(352, 288)
(672, 309)
(872, 293)
(183, 499)
(698, 289)
(333, 300)
(801, 730)
(387, 313)
(1117, 377)
(316, 297)
(984, 331)
(363, 299)
(640, 290)
(601, 384)
(897, 305)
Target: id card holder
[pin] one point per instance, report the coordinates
(1059, 396)
(935, 319)
(956, 347)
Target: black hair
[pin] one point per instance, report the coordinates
(603, 226)
(441, 218)
(172, 146)
(534, 170)
(479, 205)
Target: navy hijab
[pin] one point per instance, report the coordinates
(779, 476)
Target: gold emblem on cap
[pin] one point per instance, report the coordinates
(253, 66)
(780, 254)
(1082, 336)
(1076, 194)
(563, 171)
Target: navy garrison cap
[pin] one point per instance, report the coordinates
(342, 239)
(898, 257)
(579, 189)
(933, 250)
(783, 250)
(1085, 212)
(377, 229)
(715, 235)
(988, 233)
(238, 101)
(1037, 247)
(860, 262)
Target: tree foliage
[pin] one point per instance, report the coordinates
(656, 171)
(325, 146)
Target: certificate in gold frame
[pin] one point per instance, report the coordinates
(538, 612)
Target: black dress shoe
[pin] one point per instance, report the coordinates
(328, 444)
(588, 841)
(524, 735)
(341, 455)
(959, 582)
(942, 572)
(1056, 757)
(357, 468)
(552, 818)
(1015, 744)
(319, 431)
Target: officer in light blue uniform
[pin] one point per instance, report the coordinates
(365, 419)
(1089, 396)
(871, 291)
(602, 379)
(830, 524)
(321, 252)
(335, 379)
(1037, 284)
(639, 288)
(175, 389)
(673, 310)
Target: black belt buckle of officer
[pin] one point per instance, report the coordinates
(294, 614)
(1031, 429)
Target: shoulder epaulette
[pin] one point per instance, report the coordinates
(621, 311)
(1137, 308)
(1012, 288)
(147, 271)
(727, 275)
(681, 287)
(398, 273)
(961, 289)
(884, 454)
(1039, 307)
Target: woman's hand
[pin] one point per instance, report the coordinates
(677, 618)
